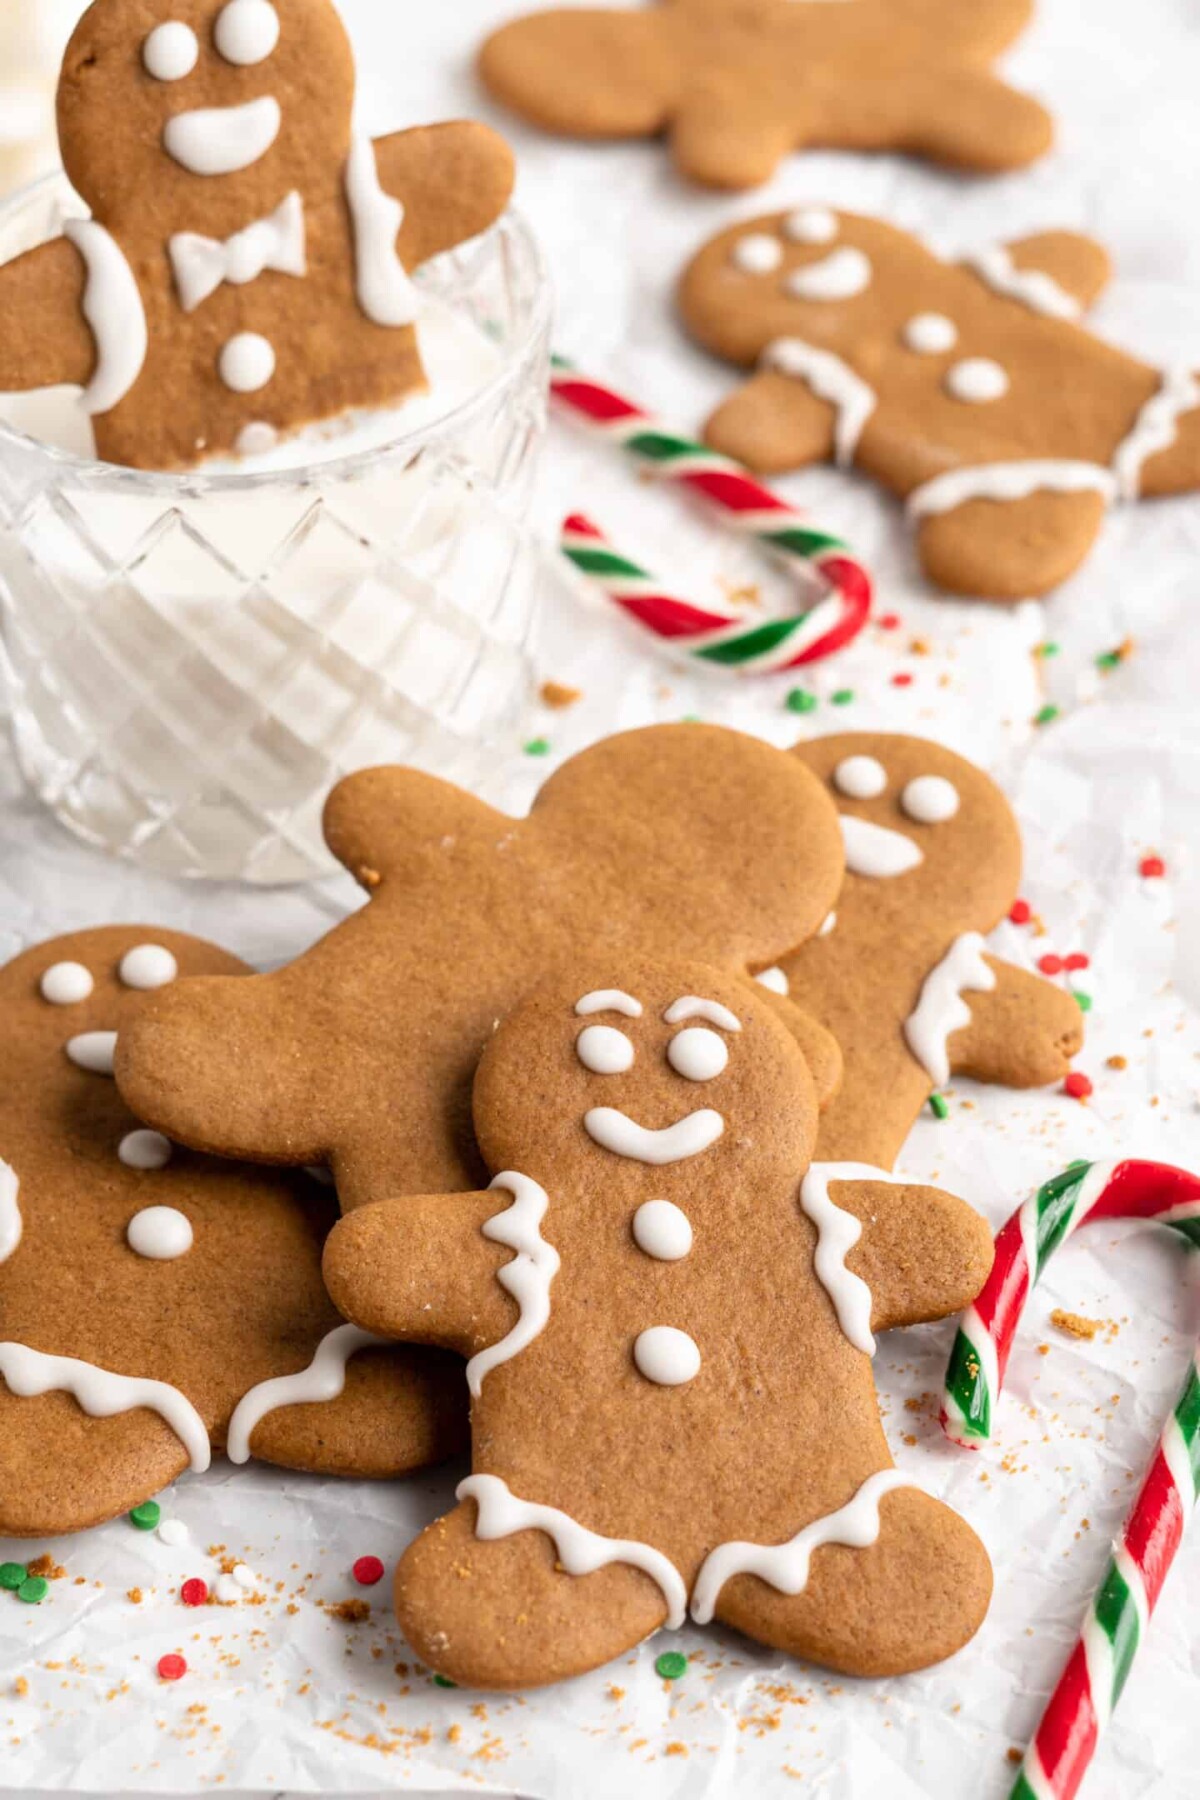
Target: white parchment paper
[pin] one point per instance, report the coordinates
(282, 1693)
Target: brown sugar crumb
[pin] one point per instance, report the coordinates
(675, 1748)
(135, 1594)
(350, 1612)
(1014, 1755)
(1117, 1062)
(454, 1734)
(20, 1687)
(919, 647)
(47, 1568)
(1074, 1325)
(558, 696)
(614, 1692)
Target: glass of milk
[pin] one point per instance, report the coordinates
(193, 660)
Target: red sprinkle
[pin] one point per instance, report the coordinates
(171, 1668)
(1153, 868)
(1077, 1085)
(890, 622)
(1051, 965)
(1021, 912)
(368, 1570)
(194, 1592)
(902, 680)
(1077, 960)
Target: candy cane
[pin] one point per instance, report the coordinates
(1099, 1665)
(748, 508)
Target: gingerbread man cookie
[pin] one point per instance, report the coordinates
(739, 84)
(361, 1054)
(670, 1313)
(901, 974)
(245, 269)
(969, 388)
(156, 1306)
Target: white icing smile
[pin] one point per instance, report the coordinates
(839, 276)
(617, 1132)
(875, 851)
(222, 140)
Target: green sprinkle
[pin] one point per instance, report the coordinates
(444, 1681)
(538, 747)
(843, 697)
(146, 1516)
(34, 1590)
(692, 719)
(939, 1106)
(1049, 648)
(1047, 715)
(672, 1665)
(12, 1576)
(1083, 1001)
(1111, 659)
(801, 701)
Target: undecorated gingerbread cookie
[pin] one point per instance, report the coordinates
(156, 1306)
(739, 84)
(361, 1054)
(970, 388)
(670, 1313)
(245, 268)
(901, 974)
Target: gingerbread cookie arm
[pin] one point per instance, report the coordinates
(773, 424)
(46, 340)
(1023, 1033)
(592, 73)
(421, 1270)
(453, 180)
(388, 821)
(1077, 263)
(966, 118)
(923, 1253)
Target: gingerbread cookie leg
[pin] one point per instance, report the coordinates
(505, 1612)
(1004, 548)
(773, 424)
(718, 141)
(884, 1604)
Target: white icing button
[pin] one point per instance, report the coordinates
(247, 31)
(860, 778)
(774, 980)
(148, 966)
(930, 334)
(93, 1051)
(604, 1050)
(977, 378)
(171, 51)
(698, 1054)
(160, 1233)
(811, 225)
(247, 362)
(757, 254)
(839, 276)
(256, 439)
(662, 1231)
(145, 1150)
(66, 984)
(667, 1357)
(930, 800)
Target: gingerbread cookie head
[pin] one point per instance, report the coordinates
(739, 84)
(147, 1294)
(246, 269)
(970, 388)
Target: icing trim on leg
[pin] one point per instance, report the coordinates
(101, 1394)
(502, 1514)
(832, 380)
(837, 1233)
(1009, 481)
(324, 1379)
(10, 1212)
(941, 1009)
(527, 1278)
(1155, 428)
(786, 1566)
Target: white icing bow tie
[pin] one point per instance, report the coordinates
(201, 264)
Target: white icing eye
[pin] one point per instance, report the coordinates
(838, 276)
(811, 225)
(860, 778)
(662, 1230)
(160, 1234)
(148, 966)
(247, 31)
(757, 254)
(930, 334)
(145, 1150)
(66, 984)
(604, 1050)
(977, 378)
(247, 363)
(698, 1054)
(930, 800)
(171, 51)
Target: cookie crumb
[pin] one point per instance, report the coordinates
(558, 696)
(1074, 1324)
(350, 1612)
(1117, 1062)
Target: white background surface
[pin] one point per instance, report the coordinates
(1117, 776)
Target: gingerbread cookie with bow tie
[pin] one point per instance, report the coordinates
(361, 1054)
(736, 85)
(670, 1311)
(901, 973)
(246, 267)
(970, 388)
(157, 1306)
